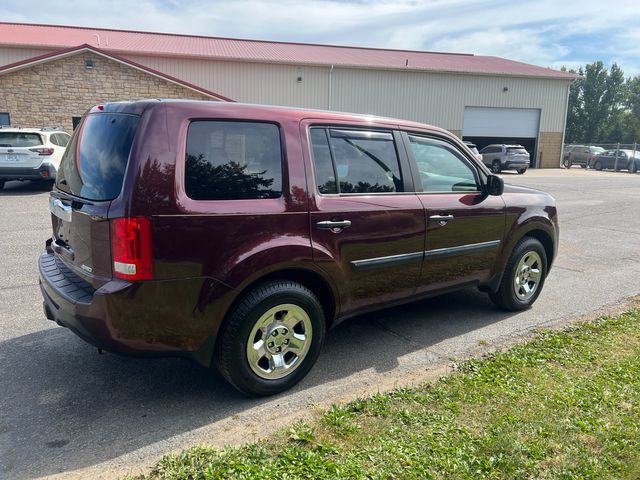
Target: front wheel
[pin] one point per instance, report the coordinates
(496, 167)
(567, 163)
(521, 171)
(523, 277)
(597, 165)
(271, 338)
(633, 167)
(583, 165)
(1, 184)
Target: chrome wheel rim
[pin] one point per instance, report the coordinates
(279, 341)
(527, 275)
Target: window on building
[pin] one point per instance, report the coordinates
(361, 161)
(5, 119)
(233, 161)
(75, 121)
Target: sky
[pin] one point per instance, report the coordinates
(544, 32)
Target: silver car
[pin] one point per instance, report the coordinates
(500, 157)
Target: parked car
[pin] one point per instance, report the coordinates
(474, 149)
(30, 153)
(626, 160)
(235, 235)
(579, 155)
(500, 157)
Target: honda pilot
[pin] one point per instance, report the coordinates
(237, 235)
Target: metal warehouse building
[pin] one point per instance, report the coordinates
(49, 75)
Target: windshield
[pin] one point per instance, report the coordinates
(95, 161)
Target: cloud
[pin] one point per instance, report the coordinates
(543, 32)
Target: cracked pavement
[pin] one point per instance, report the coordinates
(67, 411)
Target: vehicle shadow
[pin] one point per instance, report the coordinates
(63, 407)
(17, 188)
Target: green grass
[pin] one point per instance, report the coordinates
(564, 405)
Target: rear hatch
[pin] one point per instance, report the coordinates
(20, 149)
(90, 177)
(517, 155)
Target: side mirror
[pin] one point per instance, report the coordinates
(494, 185)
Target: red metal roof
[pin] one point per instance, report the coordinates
(49, 57)
(146, 43)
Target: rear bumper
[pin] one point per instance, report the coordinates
(142, 319)
(46, 171)
(515, 165)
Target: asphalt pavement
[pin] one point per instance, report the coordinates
(67, 411)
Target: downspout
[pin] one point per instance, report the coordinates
(564, 127)
(329, 92)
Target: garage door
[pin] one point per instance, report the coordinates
(500, 122)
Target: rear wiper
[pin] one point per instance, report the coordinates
(67, 196)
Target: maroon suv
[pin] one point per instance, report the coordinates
(237, 234)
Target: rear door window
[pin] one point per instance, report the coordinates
(19, 139)
(94, 165)
(233, 161)
(355, 161)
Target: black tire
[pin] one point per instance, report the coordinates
(1, 184)
(505, 297)
(567, 163)
(496, 167)
(597, 165)
(521, 171)
(230, 355)
(633, 167)
(583, 165)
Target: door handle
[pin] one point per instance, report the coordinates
(441, 218)
(331, 225)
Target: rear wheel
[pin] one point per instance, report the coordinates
(521, 171)
(1, 184)
(523, 277)
(597, 165)
(566, 163)
(271, 338)
(496, 167)
(633, 167)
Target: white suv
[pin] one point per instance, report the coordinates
(30, 153)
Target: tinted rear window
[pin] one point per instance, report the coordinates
(94, 164)
(233, 161)
(19, 139)
(516, 150)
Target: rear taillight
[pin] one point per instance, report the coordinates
(43, 152)
(131, 245)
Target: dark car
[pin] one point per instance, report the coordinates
(579, 155)
(236, 235)
(617, 160)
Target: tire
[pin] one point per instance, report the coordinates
(521, 171)
(1, 184)
(633, 167)
(597, 165)
(512, 296)
(262, 314)
(567, 163)
(496, 167)
(583, 165)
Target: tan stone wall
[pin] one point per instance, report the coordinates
(51, 93)
(549, 149)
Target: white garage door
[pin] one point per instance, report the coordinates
(500, 122)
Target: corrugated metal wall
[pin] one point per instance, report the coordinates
(425, 97)
(433, 98)
(12, 55)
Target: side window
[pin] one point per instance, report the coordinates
(441, 167)
(233, 161)
(362, 161)
(63, 139)
(53, 138)
(5, 119)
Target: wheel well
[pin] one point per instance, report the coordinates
(312, 281)
(546, 241)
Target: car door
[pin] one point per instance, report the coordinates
(367, 224)
(465, 227)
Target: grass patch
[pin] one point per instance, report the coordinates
(564, 405)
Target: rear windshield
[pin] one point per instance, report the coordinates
(518, 150)
(19, 139)
(94, 163)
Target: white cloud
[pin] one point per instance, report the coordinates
(544, 32)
